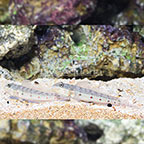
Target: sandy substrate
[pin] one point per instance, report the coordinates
(130, 90)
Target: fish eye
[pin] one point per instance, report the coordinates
(36, 82)
(109, 105)
(9, 85)
(61, 84)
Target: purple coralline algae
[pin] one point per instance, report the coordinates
(50, 12)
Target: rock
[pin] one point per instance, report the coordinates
(94, 52)
(4, 129)
(56, 131)
(117, 131)
(41, 131)
(93, 132)
(91, 51)
(15, 40)
(17, 49)
(4, 73)
(51, 12)
(105, 11)
(28, 70)
(124, 12)
(133, 15)
(4, 14)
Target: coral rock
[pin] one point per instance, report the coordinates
(47, 12)
(15, 40)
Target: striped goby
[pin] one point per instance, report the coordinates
(17, 91)
(92, 96)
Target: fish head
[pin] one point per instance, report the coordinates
(59, 84)
(10, 85)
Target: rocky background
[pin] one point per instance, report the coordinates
(72, 132)
(4, 13)
(95, 52)
(124, 12)
(86, 51)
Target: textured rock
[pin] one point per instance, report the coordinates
(4, 14)
(92, 51)
(133, 15)
(41, 131)
(15, 40)
(129, 91)
(73, 51)
(124, 12)
(118, 131)
(4, 73)
(4, 129)
(28, 70)
(53, 132)
(139, 29)
(50, 12)
(106, 10)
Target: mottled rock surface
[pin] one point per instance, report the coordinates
(92, 51)
(4, 14)
(15, 40)
(50, 12)
(133, 15)
(41, 132)
(124, 12)
(117, 131)
(79, 131)
(4, 73)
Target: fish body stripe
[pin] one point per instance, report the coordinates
(29, 90)
(32, 94)
(85, 91)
